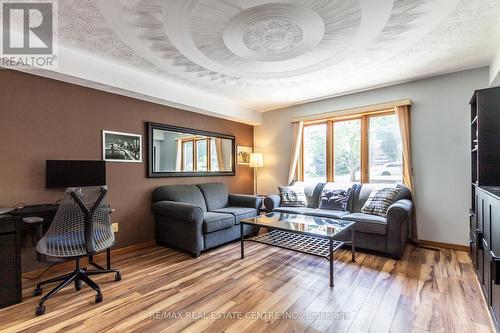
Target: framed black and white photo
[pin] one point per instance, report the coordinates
(121, 147)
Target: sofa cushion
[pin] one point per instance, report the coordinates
(334, 199)
(331, 214)
(312, 192)
(217, 221)
(348, 187)
(215, 194)
(293, 210)
(379, 201)
(292, 196)
(361, 193)
(367, 223)
(238, 212)
(405, 193)
(190, 194)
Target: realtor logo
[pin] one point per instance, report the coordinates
(28, 33)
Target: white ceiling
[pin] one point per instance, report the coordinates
(233, 57)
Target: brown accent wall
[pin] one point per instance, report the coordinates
(44, 119)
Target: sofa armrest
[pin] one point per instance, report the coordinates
(271, 202)
(399, 211)
(178, 210)
(398, 220)
(179, 225)
(243, 200)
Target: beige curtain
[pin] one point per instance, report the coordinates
(294, 154)
(404, 119)
(220, 156)
(178, 162)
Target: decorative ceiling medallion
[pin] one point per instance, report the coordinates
(272, 35)
(274, 31)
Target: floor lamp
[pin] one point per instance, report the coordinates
(256, 161)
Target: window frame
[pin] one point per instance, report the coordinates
(330, 145)
(300, 166)
(194, 142)
(183, 154)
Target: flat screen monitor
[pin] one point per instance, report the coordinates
(63, 174)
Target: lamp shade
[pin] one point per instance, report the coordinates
(256, 160)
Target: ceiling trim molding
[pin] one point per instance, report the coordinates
(102, 74)
(380, 86)
(352, 111)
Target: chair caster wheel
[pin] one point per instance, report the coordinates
(118, 277)
(78, 285)
(40, 310)
(98, 298)
(37, 292)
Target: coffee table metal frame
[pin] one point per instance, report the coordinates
(318, 245)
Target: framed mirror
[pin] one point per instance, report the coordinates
(185, 152)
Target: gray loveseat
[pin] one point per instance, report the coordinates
(195, 218)
(388, 235)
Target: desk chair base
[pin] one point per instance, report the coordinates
(78, 277)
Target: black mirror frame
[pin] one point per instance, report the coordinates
(163, 174)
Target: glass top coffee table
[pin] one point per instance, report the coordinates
(307, 234)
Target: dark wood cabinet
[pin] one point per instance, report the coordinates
(485, 137)
(485, 246)
(484, 219)
(487, 251)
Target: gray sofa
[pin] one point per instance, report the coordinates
(388, 235)
(196, 218)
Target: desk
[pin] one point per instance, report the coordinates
(10, 260)
(10, 255)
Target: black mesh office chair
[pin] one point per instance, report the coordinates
(81, 228)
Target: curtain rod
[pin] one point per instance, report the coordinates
(353, 111)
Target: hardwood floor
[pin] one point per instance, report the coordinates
(271, 290)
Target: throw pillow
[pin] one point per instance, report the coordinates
(334, 199)
(292, 196)
(379, 201)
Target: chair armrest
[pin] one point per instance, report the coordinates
(243, 200)
(108, 210)
(399, 211)
(178, 210)
(271, 202)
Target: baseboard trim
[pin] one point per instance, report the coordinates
(428, 243)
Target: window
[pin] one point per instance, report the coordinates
(347, 150)
(214, 163)
(364, 148)
(187, 155)
(314, 153)
(201, 155)
(195, 152)
(385, 150)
